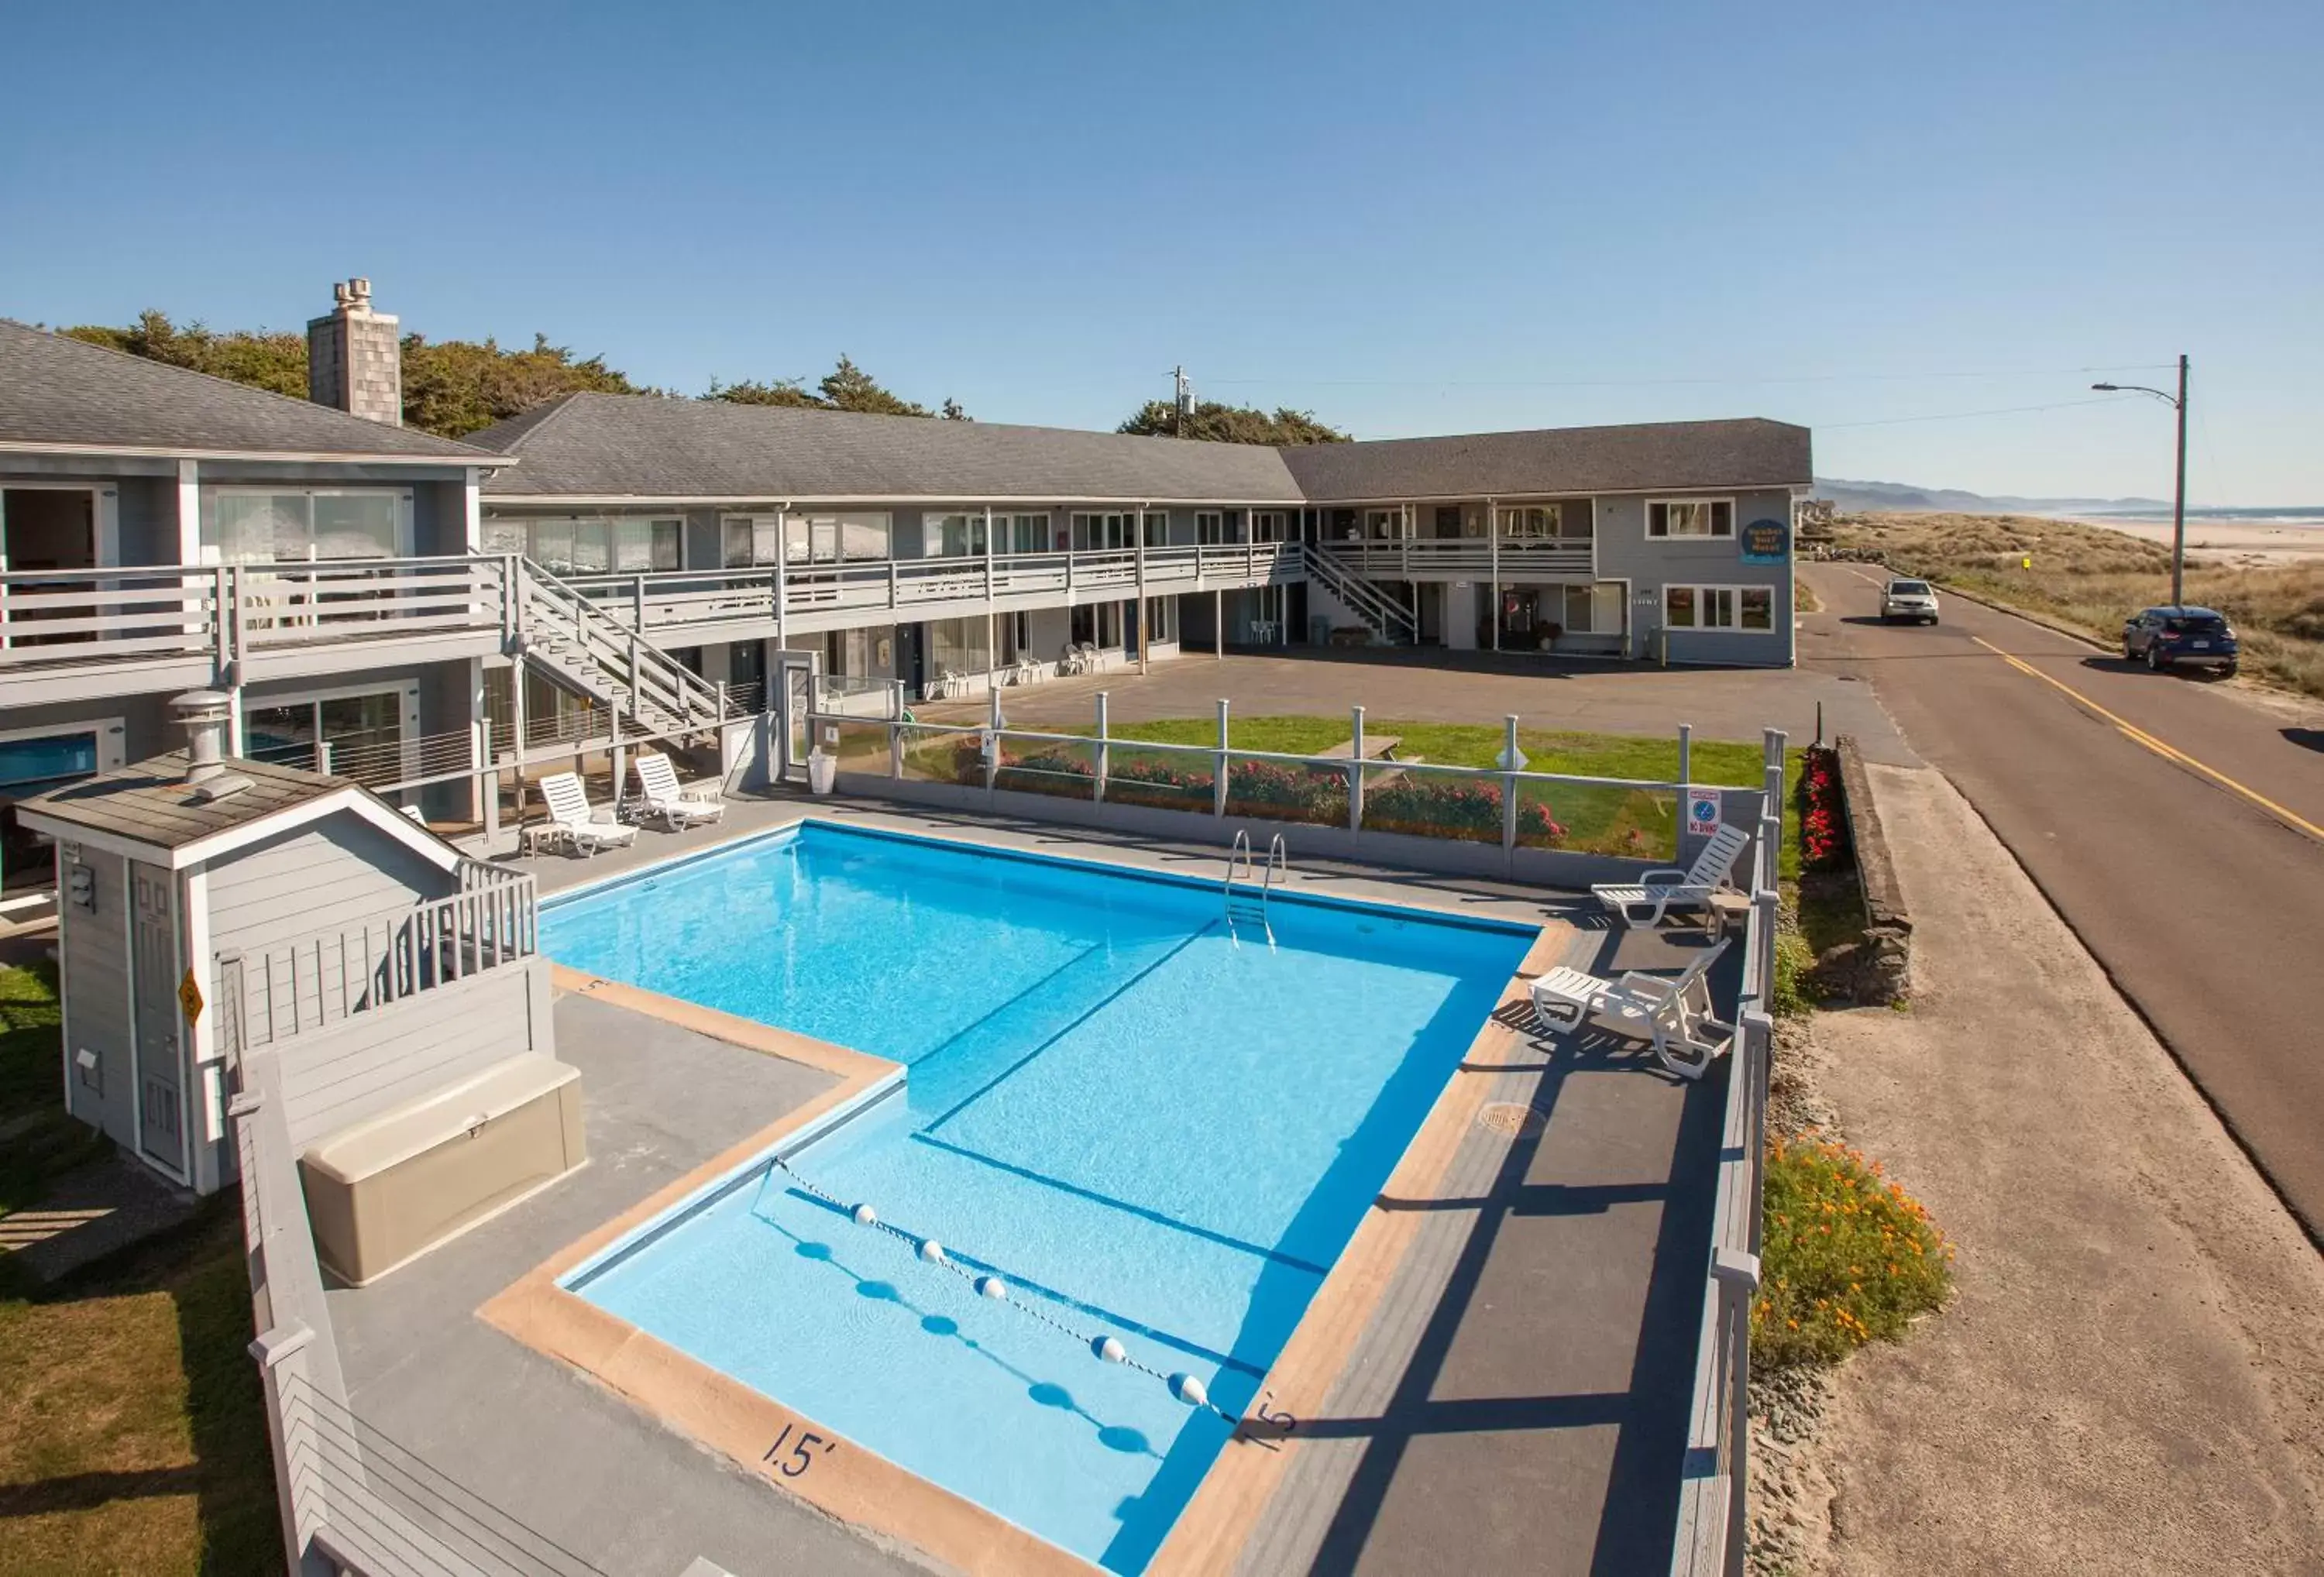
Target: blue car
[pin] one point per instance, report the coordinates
(2180, 637)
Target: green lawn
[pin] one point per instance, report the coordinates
(132, 1437)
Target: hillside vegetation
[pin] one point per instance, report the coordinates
(2092, 578)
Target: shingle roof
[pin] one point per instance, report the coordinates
(645, 445)
(66, 391)
(150, 801)
(642, 446)
(1748, 453)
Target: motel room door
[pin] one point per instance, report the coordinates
(153, 999)
(794, 694)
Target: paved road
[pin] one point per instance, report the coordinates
(2178, 828)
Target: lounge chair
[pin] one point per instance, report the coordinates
(1650, 1006)
(1644, 903)
(571, 823)
(664, 801)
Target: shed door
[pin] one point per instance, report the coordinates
(154, 986)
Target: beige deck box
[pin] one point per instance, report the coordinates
(383, 1191)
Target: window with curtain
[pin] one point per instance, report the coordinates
(591, 544)
(960, 536)
(257, 526)
(827, 537)
(1161, 619)
(1690, 517)
(1537, 523)
(1027, 533)
(958, 646)
(1157, 528)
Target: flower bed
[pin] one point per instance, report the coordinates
(1823, 816)
(1846, 1256)
(1455, 808)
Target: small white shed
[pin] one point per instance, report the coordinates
(207, 907)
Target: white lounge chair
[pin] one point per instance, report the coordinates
(1650, 1006)
(663, 799)
(1644, 903)
(571, 823)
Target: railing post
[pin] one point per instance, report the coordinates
(1686, 753)
(891, 578)
(224, 635)
(1224, 764)
(283, 1372)
(1509, 782)
(1356, 771)
(1098, 788)
(637, 602)
(323, 757)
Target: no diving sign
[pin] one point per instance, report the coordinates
(1702, 812)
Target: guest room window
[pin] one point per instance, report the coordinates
(1690, 517)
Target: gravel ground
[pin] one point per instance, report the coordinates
(2130, 1375)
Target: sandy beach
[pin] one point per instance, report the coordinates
(2233, 541)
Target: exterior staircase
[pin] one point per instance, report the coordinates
(583, 647)
(1388, 618)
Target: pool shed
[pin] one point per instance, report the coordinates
(211, 909)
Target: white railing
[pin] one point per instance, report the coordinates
(1713, 1521)
(1518, 558)
(324, 978)
(230, 613)
(351, 1498)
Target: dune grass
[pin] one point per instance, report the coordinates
(132, 1434)
(2091, 580)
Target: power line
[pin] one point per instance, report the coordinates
(1962, 415)
(1678, 383)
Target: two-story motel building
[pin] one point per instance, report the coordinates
(405, 609)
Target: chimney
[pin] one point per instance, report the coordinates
(203, 714)
(354, 358)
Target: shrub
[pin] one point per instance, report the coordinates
(1462, 807)
(1787, 994)
(1846, 1257)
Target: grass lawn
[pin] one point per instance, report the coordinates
(1597, 819)
(132, 1434)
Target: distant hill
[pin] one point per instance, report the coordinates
(1861, 496)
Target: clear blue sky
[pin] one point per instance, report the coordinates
(1408, 218)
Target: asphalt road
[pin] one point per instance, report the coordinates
(2178, 828)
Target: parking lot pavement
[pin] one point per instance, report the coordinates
(1449, 686)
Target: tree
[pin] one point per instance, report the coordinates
(953, 413)
(1232, 424)
(454, 388)
(265, 358)
(450, 389)
(791, 392)
(848, 387)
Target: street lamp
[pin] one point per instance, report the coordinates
(2179, 498)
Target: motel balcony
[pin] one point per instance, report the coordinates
(85, 634)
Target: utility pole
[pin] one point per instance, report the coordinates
(2179, 493)
(1182, 400)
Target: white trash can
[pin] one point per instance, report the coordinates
(822, 771)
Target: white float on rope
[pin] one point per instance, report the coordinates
(991, 1287)
(1110, 1350)
(931, 1250)
(1189, 1390)
(864, 1215)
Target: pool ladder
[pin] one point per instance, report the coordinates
(1242, 908)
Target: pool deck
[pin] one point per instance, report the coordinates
(1497, 1374)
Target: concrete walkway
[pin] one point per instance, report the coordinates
(2131, 1375)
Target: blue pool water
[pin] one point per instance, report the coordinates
(1151, 1129)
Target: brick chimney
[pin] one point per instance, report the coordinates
(354, 358)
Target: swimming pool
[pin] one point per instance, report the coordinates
(1147, 1127)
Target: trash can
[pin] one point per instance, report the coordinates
(822, 771)
(1319, 629)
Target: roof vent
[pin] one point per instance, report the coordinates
(204, 715)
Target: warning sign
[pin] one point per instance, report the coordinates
(189, 998)
(1702, 812)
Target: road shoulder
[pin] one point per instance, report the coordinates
(2131, 1373)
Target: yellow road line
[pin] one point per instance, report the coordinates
(2131, 730)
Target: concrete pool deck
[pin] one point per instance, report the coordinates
(1507, 1386)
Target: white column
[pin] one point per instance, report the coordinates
(189, 511)
(1145, 636)
(1493, 550)
(471, 514)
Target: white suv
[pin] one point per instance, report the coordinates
(1909, 599)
